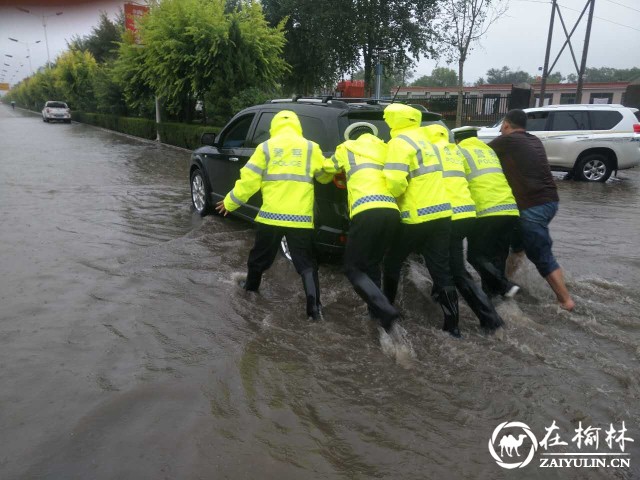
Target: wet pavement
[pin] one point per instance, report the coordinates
(127, 351)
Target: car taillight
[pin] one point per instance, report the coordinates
(342, 239)
(340, 181)
(636, 128)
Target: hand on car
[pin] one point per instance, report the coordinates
(220, 208)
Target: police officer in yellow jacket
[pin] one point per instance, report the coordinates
(414, 176)
(462, 224)
(496, 209)
(374, 215)
(283, 169)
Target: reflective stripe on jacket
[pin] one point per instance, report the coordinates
(412, 170)
(283, 169)
(453, 165)
(362, 161)
(488, 185)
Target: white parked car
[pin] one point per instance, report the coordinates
(591, 141)
(56, 111)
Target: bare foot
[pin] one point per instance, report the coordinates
(569, 305)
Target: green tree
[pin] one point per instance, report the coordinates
(506, 75)
(607, 74)
(330, 38)
(440, 77)
(463, 23)
(190, 48)
(74, 74)
(103, 40)
(108, 93)
(555, 77)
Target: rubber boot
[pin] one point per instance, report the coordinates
(481, 305)
(390, 288)
(317, 282)
(448, 299)
(252, 282)
(379, 306)
(311, 290)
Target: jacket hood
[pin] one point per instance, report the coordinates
(400, 117)
(284, 121)
(436, 133)
(368, 145)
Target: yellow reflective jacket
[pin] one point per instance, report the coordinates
(413, 170)
(487, 183)
(362, 161)
(283, 169)
(453, 165)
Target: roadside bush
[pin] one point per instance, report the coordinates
(178, 134)
(183, 135)
(137, 127)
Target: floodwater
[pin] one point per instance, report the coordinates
(128, 352)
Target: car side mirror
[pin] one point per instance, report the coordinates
(208, 138)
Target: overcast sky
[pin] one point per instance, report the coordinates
(517, 40)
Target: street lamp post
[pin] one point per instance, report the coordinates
(44, 25)
(28, 50)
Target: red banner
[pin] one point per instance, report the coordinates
(132, 13)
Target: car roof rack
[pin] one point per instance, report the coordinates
(587, 105)
(301, 99)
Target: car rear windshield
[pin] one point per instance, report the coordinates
(376, 118)
(312, 129)
(56, 105)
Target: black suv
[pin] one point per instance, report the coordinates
(215, 166)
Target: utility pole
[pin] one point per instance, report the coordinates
(44, 25)
(585, 50)
(545, 69)
(567, 42)
(28, 50)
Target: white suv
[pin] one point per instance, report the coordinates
(56, 111)
(590, 141)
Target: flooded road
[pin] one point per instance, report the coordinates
(127, 351)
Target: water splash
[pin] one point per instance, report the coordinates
(397, 345)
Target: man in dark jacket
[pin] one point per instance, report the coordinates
(525, 164)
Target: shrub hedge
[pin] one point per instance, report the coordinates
(179, 134)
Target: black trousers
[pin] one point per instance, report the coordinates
(477, 300)
(267, 244)
(370, 235)
(489, 248)
(431, 240)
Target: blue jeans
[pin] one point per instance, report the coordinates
(535, 237)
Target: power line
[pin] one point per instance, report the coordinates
(600, 18)
(625, 6)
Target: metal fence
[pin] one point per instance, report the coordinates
(476, 110)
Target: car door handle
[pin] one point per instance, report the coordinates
(233, 159)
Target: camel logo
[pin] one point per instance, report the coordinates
(511, 444)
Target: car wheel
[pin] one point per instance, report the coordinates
(67, 121)
(200, 193)
(284, 249)
(593, 168)
(44, 119)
